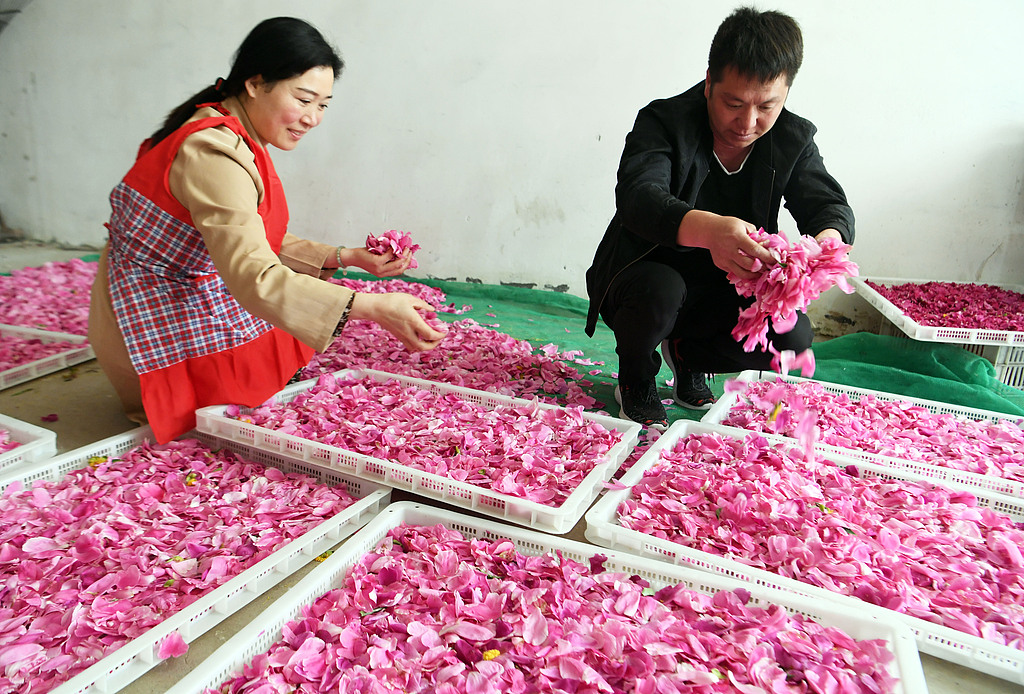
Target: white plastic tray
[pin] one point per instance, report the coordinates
(720, 410)
(603, 528)
(139, 655)
(46, 365)
(555, 519)
(37, 443)
(266, 630)
(932, 333)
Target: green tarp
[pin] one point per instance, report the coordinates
(932, 371)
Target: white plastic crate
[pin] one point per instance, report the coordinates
(720, 410)
(47, 365)
(138, 656)
(37, 443)
(263, 632)
(556, 519)
(603, 529)
(931, 333)
(994, 345)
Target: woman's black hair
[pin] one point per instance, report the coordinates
(276, 49)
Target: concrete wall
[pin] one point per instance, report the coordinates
(491, 130)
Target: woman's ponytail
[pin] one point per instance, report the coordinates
(176, 118)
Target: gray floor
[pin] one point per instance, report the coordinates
(87, 411)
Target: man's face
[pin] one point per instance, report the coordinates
(741, 109)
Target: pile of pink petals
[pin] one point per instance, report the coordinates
(805, 269)
(54, 296)
(957, 305)
(397, 242)
(16, 351)
(897, 429)
(6, 442)
(917, 548)
(430, 611)
(470, 355)
(537, 454)
(94, 560)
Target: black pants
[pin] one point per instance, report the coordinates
(650, 301)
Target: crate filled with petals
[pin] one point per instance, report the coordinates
(426, 599)
(519, 460)
(986, 319)
(944, 559)
(115, 556)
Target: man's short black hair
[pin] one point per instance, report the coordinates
(759, 45)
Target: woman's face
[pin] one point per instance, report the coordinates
(283, 111)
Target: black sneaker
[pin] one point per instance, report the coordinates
(690, 388)
(640, 404)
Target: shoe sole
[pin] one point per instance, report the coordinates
(622, 415)
(666, 354)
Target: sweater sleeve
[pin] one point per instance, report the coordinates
(307, 257)
(214, 176)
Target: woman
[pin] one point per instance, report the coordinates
(202, 296)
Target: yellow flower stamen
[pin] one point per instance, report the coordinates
(491, 654)
(97, 460)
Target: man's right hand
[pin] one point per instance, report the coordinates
(727, 238)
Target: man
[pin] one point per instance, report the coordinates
(698, 173)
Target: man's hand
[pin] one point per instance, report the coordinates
(828, 234)
(728, 240)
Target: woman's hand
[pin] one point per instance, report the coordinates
(400, 314)
(386, 265)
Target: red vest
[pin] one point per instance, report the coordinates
(191, 343)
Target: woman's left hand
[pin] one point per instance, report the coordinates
(386, 265)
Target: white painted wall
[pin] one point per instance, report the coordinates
(491, 130)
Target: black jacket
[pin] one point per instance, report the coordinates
(664, 163)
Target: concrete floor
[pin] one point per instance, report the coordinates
(87, 411)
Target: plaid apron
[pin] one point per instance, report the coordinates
(191, 343)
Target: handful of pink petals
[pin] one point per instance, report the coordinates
(398, 242)
(805, 269)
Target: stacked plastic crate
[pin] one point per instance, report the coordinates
(1004, 348)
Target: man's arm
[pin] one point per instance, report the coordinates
(643, 193)
(816, 200)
